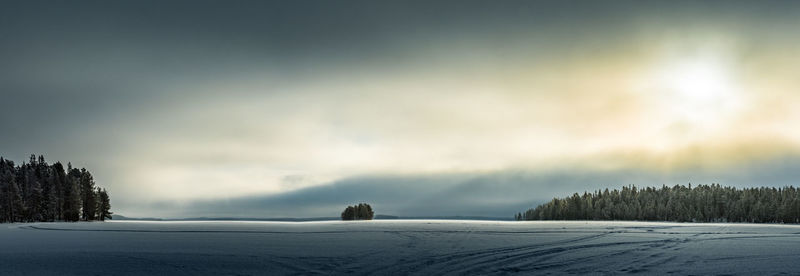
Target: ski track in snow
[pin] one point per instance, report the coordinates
(398, 247)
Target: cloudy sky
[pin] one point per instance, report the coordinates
(298, 108)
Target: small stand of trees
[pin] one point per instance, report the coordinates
(38, 191)
(703, 203)
(362, 211)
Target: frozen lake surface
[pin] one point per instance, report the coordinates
(422, 247)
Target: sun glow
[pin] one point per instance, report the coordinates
(699, 91)
(698, 83)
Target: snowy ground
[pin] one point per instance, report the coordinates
(424, 247)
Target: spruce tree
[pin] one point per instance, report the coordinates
(88, 199)
(104, 208)
(72, 199)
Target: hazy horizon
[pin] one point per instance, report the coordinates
(278, 109)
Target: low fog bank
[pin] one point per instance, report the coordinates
(491, 194)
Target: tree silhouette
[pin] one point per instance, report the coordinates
(104, 208)
(702, 203)
(37, 191)
(362, 211)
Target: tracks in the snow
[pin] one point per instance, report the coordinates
(437, 250)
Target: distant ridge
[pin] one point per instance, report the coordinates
(377, 217)
(121, 217)
(387, 217)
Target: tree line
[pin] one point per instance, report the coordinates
(362, 211)
(37, 191)
(703, 203)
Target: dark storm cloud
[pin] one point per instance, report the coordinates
(67, 63)
(93, 58)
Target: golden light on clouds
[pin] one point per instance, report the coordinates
(651, 110)
(656, 103)
(265, 98)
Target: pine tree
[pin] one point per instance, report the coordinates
(59, 182)
(3, 191)
(15, 210)
(88, 199)
(72, 200)
(104, 208)
(349, 213)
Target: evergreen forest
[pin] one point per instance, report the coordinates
(702, 203)
(37, 191)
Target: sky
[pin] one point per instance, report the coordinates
(439, 108)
